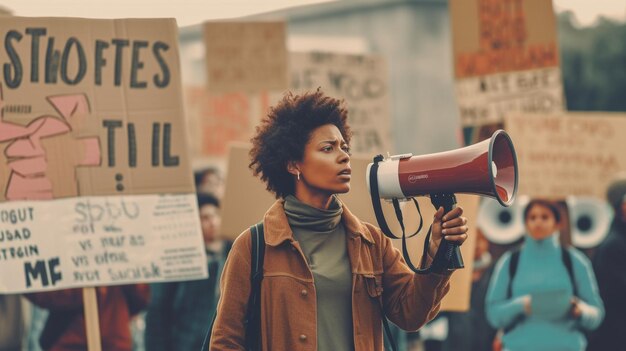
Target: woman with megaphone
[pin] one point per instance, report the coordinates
(328, 279)
(543, 296)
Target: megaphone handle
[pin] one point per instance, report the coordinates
(451, 251)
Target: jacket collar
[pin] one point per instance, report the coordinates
(277, 230)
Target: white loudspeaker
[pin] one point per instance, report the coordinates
(502, 225)
(590, 221)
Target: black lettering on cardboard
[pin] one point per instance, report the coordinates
(36, 272)
(12, 80)
(35, 34)
(137, 64)
(156, 135)
(100, 61)
(111, 125)
(132, 146)
(119, 47)
(82, 61)
(163, 80)
(53, 58)
(168, 159)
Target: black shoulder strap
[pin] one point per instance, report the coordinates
(512, 270)
(253, 315)
(253, 318)
(567, 261)
(509, 290)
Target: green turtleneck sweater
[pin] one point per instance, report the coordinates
(322, 237)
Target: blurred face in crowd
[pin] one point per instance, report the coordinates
(325, 167)
(210, 222)
(540, 222)
(624, 210)
(212, 183)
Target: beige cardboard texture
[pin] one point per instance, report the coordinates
(362, 81)
(91, 107)
(496, 36)
(575, 154)
(246, 201)
(215, 120)
(246, 56)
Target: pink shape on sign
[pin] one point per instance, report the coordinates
(29, 166)
(22, 188)
(28, 180)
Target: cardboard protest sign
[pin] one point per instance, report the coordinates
(577, 154)
(246, 201)
(91, 131)
(506, 58)
(364, 84)
(246, 56)
(215, 120)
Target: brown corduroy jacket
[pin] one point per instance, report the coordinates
(288, 306)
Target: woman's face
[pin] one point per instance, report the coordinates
(540, 222)
(325, 167)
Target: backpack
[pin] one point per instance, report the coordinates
(567, 262)
(253, 314)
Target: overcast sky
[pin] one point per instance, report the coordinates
(188, 12)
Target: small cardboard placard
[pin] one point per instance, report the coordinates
(246, 56)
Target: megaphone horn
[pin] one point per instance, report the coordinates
(590, 221)
(487, 168)
(502, 225)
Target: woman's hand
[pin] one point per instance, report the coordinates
(451, 227)
(575, 311)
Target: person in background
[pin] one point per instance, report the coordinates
(543, 307)
(609, 264)
(329, 279)
(65, 326)
(12, 323)
(210, 181)
(470, 331)
(180, 312)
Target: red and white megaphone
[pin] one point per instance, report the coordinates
(487, 168)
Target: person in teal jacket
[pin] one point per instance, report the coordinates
(538, 310)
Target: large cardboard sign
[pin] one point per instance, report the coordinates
(91, 128)
(246, 56)
(364, 84)
(246, 201)
(505, 58)
(577, 154)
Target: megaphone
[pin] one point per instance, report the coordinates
(502, 225)
(487, 168)
(590, 220)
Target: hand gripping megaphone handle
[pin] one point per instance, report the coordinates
(448, 256)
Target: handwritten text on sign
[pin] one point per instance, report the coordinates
(362, 81)
(495, 36)
(574, 154)
(99, 241)
(487, 99)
